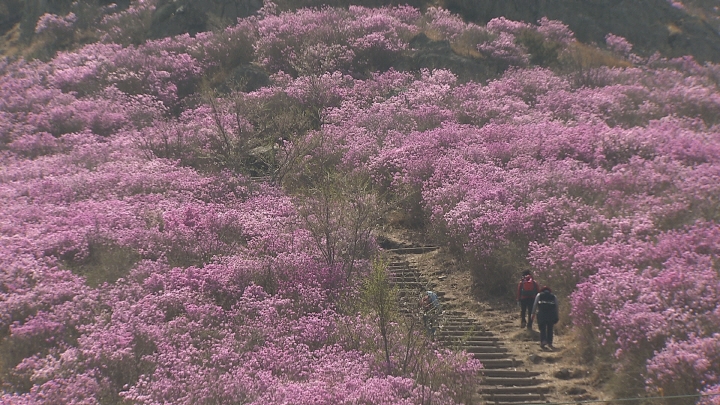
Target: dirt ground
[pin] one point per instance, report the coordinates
(569, 380)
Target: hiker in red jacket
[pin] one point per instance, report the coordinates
(526, 291)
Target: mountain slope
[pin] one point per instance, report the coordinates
(651, 25)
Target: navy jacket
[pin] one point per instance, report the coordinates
(546, 308)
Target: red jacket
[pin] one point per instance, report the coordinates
(526, 295)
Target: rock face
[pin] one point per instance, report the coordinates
(427, 54)
(174, 17)
(650, 25)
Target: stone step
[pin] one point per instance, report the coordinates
(479, 341)
(485, 356)
(460, 318)
(467, 333)
(507, 381)
(514, 398)
(500, 363)
(502, 383)
(413, 283)
(466, 328)
(476, 341)
(532, 389)
(450, 320)
(461, 343)
(394, 277)
(484, 349)
(509, 373)
(420, 286)
(407, 283)
(415, 250)
(454, 313)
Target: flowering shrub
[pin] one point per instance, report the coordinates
(129, 26)
(326, 40)
(55, 24)
(618, 44)
(129, 276)
(142, 264)
(691, 363)
(447, 25)
(587, 191)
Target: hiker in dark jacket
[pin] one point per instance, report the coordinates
(527, 289)
(545, 310)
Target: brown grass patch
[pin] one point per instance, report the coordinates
(674, 29)
(10, 42)
(587, 57)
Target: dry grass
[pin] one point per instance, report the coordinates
(106, 263)
(674, 29)
(581, 56)
(466, 45)
(10, 43)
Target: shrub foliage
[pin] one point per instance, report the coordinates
(143, 263)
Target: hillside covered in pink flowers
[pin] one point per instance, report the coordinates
(143, 262)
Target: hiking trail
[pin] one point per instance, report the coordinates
(515, 370)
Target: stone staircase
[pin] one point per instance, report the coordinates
(504, 380)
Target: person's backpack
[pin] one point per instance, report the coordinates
(546, 302)
(528, 287)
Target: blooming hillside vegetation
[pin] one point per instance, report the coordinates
(141, 263)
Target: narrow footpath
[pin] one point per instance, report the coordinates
(504, 380)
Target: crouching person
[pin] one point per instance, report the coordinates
(431, 311)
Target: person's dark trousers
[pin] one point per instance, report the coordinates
(546, 333)
(526, 305)
(429, 323)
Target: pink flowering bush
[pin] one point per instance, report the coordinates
(256, 302)
(325, 40)
(586, 188)
(518, 44)
(131, 276)
(445, 23)
(141, 263)
(555, 31)
(618, 44)
(129, 26)
(691, 363)
(55, 24)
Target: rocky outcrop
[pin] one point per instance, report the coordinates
(428, 54)
(650, 25)
(174, 17)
